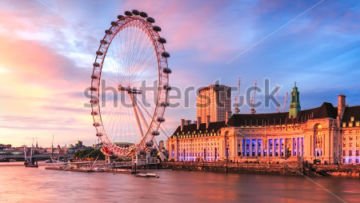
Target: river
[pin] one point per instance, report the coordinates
(20, 184)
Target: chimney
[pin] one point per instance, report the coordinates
(227, 116)
(198, 122)
(182, 124)
(341, 106)
(188, 122)
(207, 121)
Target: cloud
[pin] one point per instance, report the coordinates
(47, 48)
(193, 27)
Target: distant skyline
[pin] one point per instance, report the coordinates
(48, 47)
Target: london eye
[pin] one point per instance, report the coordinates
(130, 85)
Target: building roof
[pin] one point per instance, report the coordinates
(191, 128)
(353, 111)
(326, 110)
(216, 87)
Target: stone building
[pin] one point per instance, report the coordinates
(213, 103)
(326, 134)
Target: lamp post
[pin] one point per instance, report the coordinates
(226, 151)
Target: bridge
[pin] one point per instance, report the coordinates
(39, 157)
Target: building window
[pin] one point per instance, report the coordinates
(294, 147)
(357, 161)
(344, 153)
(259, 149)
(253, 145)
(276, 142)
(357, 153)
(247, 148)
(350, 152)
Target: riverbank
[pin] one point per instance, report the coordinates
(288, 169)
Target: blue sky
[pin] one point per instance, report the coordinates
(49, 47)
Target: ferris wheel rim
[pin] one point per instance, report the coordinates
(145, 24)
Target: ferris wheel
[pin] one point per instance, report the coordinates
(130, 84)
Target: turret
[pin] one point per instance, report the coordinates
(295, 107)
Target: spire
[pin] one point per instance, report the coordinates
(295, 107)
(237, 100)
(252, 101)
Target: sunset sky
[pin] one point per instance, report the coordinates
(48, 47)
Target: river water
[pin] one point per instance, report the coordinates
(20, 184)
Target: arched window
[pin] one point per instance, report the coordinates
(318, 140)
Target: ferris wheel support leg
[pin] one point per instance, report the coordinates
(136, 114)
(141, 114)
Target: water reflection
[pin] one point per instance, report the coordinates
(19, 184)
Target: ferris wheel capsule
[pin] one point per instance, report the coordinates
(165, 55)
(143, 14)
(135, 12)
(160, 119)
(113, 23)
(156, 28)
(150, 20)
(167, 70)
(128, 13)
(108, 32)
(162, 40)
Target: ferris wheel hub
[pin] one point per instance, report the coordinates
(129, 90)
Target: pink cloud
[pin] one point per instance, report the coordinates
(190, 27)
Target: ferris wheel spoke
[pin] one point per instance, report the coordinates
(139, 58)
(149, 115)
(135, 41)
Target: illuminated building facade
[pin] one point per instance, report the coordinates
(326, 134)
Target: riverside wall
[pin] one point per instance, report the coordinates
(222, 167)
(286, 168)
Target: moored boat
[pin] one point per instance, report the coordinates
(147, 175)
